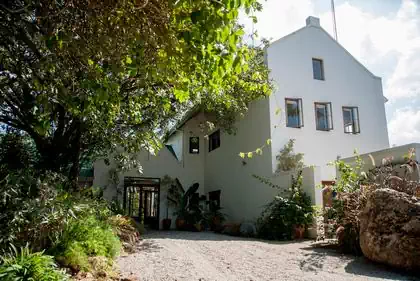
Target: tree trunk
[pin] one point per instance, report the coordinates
(75, 168)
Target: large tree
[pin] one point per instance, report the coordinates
(84, 76)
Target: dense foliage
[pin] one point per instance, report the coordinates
(24, 266)
(84, 238)
(17, 152)
(81, 77)
(283, 214)
(78, 229)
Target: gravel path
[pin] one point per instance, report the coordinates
(208, 256)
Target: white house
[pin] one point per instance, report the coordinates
(329, 103)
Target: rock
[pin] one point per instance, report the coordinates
(390, 229)
(339, 235)
(248, 229)
(231, 229)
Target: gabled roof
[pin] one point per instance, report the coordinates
(189, 114)
(329, 36)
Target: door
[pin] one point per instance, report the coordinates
(141, 200)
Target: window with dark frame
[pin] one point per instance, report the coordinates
(351, 120)
(214, 199)
(194, 145)
(214, 140)
(323, 116)
(294, 113)
(318, 69)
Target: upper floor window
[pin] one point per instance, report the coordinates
(294, 113)
(351, 120)
(323, 116)
(194, 145)
(318, 69)
(214, 140)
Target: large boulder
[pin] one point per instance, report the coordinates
(390, 229)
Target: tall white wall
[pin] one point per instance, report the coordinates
(347, 83)
(242, 196)
(189, 170)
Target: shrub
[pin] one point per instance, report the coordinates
(279, 217)
(84, 238)
(125, 228)
(24, 266)
(33, 208)
(36, 209)
(17, 152)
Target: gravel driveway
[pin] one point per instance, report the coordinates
(207, 256)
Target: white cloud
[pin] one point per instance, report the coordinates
(405, 127)
(371, 39)
(279, 18)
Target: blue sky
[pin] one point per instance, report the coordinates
(384, 35)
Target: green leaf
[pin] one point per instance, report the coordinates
(128, 60)
(90, 62)
(242, 155)
(181, 95)
(268, 141)
(250, 154)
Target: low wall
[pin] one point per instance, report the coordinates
(397, 155)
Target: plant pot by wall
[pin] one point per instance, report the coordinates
(166, 224)
(299, 232)
(180, 224)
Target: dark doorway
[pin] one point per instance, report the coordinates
(141, 200)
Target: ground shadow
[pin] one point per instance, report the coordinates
(314, 261)
(145, 245)
(365, 267)
(315, 257)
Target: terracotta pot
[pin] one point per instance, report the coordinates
(299, 231)
(166, 224)
(180, 224)
(215, 223)
(198, 227)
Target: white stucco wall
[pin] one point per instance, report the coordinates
(346, 83)
(242, 196)
(189, 170)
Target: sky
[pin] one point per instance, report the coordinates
(384, 35)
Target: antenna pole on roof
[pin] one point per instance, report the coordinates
(334, 20)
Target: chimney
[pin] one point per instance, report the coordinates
(313, 21)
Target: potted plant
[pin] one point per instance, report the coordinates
(166, 222)
(214, 217)
(188, 211)
(303, 211)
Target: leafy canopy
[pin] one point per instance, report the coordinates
(82, 77)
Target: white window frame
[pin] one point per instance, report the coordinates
(353, 127)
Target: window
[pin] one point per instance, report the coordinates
(323, 116)
(351, 120)
(214, 140)
(214, 200)
(294, 113)
(194, 145)
(318, 69)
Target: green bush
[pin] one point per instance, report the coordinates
(36, 209)
(280, 216)
(27, 266)
(84, 238)
(33, 208)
